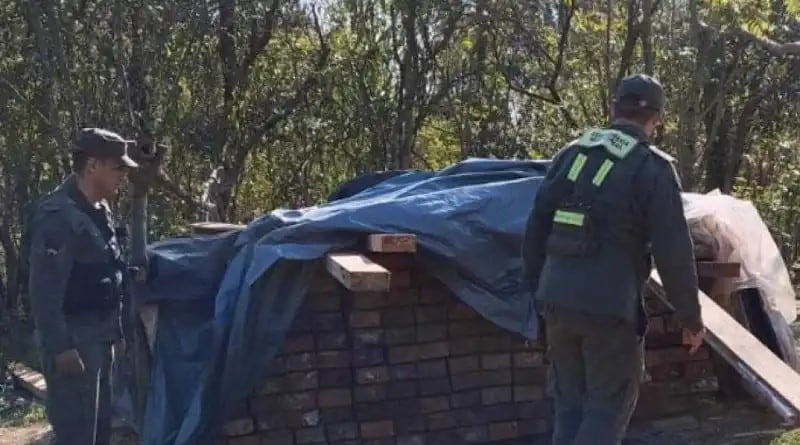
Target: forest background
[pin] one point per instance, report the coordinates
(267, 104)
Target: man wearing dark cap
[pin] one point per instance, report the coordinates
(610, 201)
(75, 287)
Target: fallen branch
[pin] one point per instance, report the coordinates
(776, 48)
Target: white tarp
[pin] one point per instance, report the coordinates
(740, 235)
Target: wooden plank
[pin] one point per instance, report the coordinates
(28, 379)
(392, 242)
(357, 272)
(148, 313)
(772, 380)
(393, 261)
(718, 269)
(213, 228)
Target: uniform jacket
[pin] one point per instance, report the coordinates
(69, 235)
(610, 281)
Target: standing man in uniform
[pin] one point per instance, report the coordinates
(75, 286)
(610, 200)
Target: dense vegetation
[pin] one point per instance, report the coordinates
(281, 100)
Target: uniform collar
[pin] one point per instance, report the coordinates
(75, 193)
(631, 130)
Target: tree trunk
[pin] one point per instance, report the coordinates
(647, 37)
(46, 100)
(631, 37)
(409, 85)
(717, 151)
(608, 91)
(690, 111)
(11, 264)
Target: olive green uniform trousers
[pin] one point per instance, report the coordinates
(596, 367)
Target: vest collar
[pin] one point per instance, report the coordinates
(631, 130)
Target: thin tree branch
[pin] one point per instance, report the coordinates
(775, 48)
(20, 96)
(259, 41)
(300, 92)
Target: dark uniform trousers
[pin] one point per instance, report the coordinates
(79, 406)
(596, 367)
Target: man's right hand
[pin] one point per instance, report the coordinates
(69, 363)
(693, 339)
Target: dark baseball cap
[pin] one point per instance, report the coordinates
(640, 91)
(103, 144)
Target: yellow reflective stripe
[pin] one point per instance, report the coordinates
(577, 166)
(571, 218)
(602, 172)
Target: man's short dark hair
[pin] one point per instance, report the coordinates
(79, 161)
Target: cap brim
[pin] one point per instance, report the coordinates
(129, 162)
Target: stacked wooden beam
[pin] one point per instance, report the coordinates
(381, 353)
(674, 379)
(763, 374)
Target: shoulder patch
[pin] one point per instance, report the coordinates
(662, 154)
(615, 142)
(58, 214)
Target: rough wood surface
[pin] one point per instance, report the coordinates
(212, 228)
(148, 313)
(28, 379)
(718, 269)
(774, 381)
(357, 272)
(392, 242)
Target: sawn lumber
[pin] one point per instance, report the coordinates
(772, 380)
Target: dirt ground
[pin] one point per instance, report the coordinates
(713, 424)
(41, 434)
(37, 434)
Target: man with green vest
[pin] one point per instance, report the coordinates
(609, 203)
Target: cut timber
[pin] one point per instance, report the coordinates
(392, 242)
(213, 228)
(28, 379)
(718, 269)
(148, 313)
(772, 379)
(357, 272)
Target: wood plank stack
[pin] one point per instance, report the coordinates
(381, 353)
(408, 364)
(768, 379)
(28, 379)
(674, 379)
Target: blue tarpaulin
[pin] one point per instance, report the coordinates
(226, 301)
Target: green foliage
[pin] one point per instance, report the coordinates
(437, 79)
(789, 438)
(16, 411)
